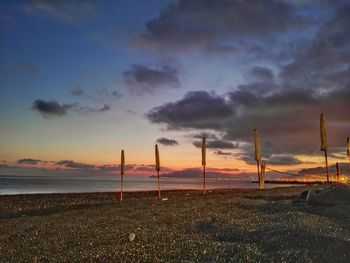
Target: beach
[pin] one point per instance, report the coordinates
(237, 225)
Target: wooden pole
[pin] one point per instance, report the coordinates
(158, 184)
(257, 152)
(337, 172)
(262, 174)
(204, 189)
(258, 165)
(157, 167)
(348, 148)
(122, 163)
(324, 140)
(325, 155)
(121, 188)
(204, 161)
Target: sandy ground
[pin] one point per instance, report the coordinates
(222, 226)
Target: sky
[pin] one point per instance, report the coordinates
(81, 80)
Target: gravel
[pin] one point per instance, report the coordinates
(221, 226)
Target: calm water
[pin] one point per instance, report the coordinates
(106, 183)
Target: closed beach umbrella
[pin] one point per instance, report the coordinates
(122, 165)
(257, 152)
(204, 161)
(157, 158)
(257, 145)
(204, 145)
(157, 167)
(323, 130)
(324, 140)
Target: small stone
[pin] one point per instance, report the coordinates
(165, 199)
(132, 237)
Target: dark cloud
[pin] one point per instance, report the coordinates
(223, 25)
(166, 141)
(142, 79)
(283, 160)
(75, 165)
(51, 108)
(287, 119)
(87, 110)
(206, 135)
(324, 63)
(311, 71)
(261, 74)
(77, 91)
(30, 161)
(198, 109)
(222, 153)
(216, 144)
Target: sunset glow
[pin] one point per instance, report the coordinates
(83, 80)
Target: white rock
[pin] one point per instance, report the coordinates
(165, 199)
(132, 237)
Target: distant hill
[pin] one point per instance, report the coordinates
(198, 173)
(343, 167)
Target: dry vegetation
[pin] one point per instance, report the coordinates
(222, 226)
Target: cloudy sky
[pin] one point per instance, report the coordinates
(81, 80)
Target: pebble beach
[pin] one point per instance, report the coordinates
(241, 225)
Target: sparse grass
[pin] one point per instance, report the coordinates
(221, 226)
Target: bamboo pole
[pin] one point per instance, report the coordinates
(204, 143)
(257, 151)
(157, 167)
(324, 140)
(337, 171)
(327, 171)
(262, 175)
(259, 175)
(122, 164)
(348, 148)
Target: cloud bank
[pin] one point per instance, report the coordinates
(142, 79)
(53, 108)
(167, 142)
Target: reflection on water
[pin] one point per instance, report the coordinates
(107, 183)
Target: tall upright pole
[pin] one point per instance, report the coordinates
(262, 174)
(204, 143)
(257, 152)
(337, 172)
(348, 148)
(157, 167)
(122, 164)
(324, 141)
(327, 171)
(259, 174)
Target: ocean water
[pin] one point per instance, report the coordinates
(14, 184)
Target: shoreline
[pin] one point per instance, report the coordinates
(171, 190)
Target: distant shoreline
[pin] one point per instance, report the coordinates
(295, 182)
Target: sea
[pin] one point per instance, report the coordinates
(16, 184)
